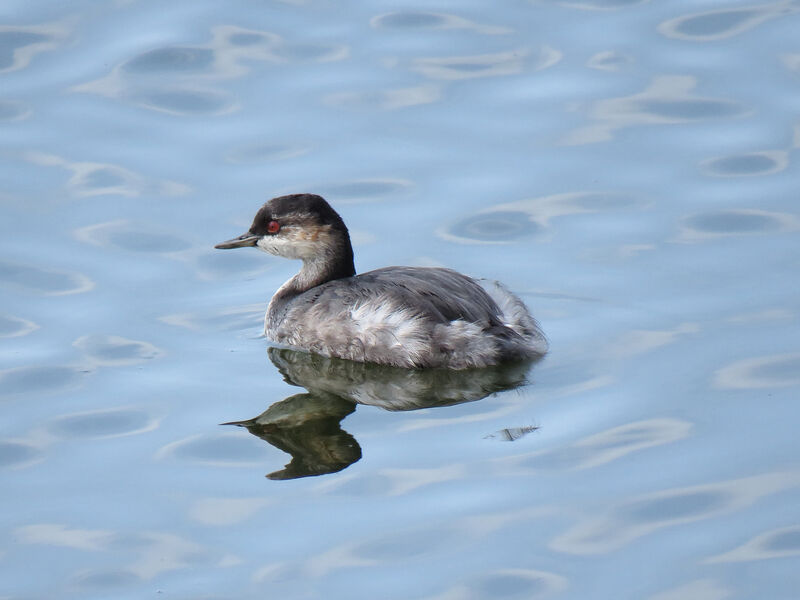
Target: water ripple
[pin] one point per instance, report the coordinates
(514, 583)
(13, 111)
(604, 447)
(597, 4)
(36, 379)
(485, 65)
(106, 423)
(391, 99)
(15, 326)
(229, 319)
(723, 23)
(17, 454)
(192, 69)
(225, 511)
(750, 164)
(610, 60)
(405, 545)
(113, 350)
(154, 552)
(641, 516)
(105, 579)
(700, 589)
(19, 45)
(98, 179)
(262, 152)
(133, 237)
(39, 280)
(406, 20)
(667, 100)
(496, 226)
(184, 101)
(505, 223)
(171, 59)
(362, 189)
(776, 371)
(220, 450)
(777, 543)
(737, 222)
(505, 583)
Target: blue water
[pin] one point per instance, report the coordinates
(630, 168)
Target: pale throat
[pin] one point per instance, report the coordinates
(313, 273)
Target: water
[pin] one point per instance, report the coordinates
(628, 167)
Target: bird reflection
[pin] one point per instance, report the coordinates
(308, 426)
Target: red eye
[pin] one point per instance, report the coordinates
(273, 227)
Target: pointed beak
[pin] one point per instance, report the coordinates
(246, 239)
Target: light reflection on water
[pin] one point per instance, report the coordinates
(628, 167)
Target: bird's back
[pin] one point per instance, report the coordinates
(409, 317)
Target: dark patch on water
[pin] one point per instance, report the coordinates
(220, 449)
(14, 453)
(714, 24)
(733, 222)
(410, 20)
(174, 58)
(510, 586)
(101, 579)
(602, 3)
(744, 164)
(497, 226)
(623, 439)
(10, 41)
(689, 505)
(783, 541)
(144, 241)
(10, 110)
(99, 424)
(233, 320)
(599, 202)
(265, 152)
(12, 326)
(246, 39)
(36, 279)
(303, 52)
(36, 379)
(779, 370)
(470, 67)
(362, 189)
(115, 350)
(184, 102)
(103, 177)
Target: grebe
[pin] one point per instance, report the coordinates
(412, 317)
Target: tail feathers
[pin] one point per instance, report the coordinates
(516, 317)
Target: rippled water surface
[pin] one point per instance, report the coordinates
(630, 168)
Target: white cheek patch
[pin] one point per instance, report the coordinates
(266, 243)
(288, 245)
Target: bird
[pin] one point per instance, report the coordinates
(402, 316)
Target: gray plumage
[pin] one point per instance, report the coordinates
(412, 317)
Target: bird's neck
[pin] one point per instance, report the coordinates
(335, 262)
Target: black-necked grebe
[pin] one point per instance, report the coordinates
(413, 317)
